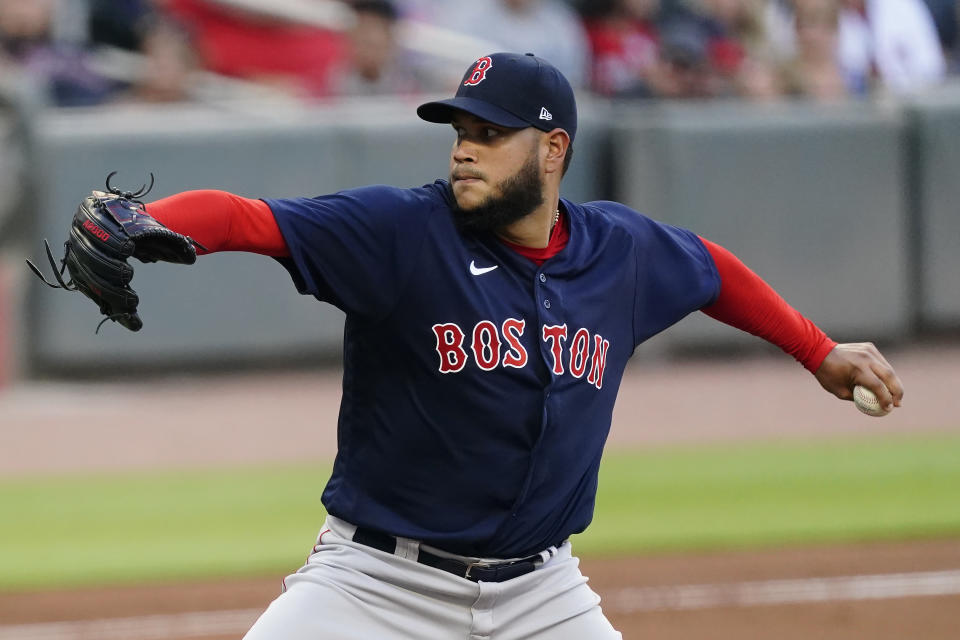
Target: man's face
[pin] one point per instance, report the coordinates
(26, 20)
(495, 173)
(373, 44)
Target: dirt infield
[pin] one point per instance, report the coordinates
(878, 591)
(645, 597)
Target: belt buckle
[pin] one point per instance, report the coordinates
(477, 564)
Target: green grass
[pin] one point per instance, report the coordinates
(157, 526)
(73, 530)
(759, 495)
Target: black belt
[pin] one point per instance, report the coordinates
(475, 571)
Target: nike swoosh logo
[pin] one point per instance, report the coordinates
(479, 271)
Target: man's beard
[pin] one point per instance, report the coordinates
(519, 195)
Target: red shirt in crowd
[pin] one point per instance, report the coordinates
(241, 44)
(624, 54)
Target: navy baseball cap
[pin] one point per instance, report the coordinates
(511, 90)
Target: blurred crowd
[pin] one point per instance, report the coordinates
(91, 52)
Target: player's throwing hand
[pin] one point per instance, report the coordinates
(860, 363)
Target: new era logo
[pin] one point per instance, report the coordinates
(545, 115)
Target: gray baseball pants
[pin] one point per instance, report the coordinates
(348, 591)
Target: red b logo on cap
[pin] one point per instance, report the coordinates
(479, 71)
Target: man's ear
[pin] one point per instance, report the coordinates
(557, 142)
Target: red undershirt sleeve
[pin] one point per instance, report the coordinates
(222, 221)
(750, 304)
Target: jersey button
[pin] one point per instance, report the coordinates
(543, 277)
(546, 303)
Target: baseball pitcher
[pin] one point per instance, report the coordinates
(488, 325)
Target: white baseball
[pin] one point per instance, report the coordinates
(867, 402)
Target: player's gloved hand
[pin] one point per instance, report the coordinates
(860, 363)
(107, 229)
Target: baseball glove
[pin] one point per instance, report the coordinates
(107, 229)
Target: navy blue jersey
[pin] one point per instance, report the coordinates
(478, 387)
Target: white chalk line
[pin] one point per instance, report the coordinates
(774, 592)
(201, 624)
(198, 624)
